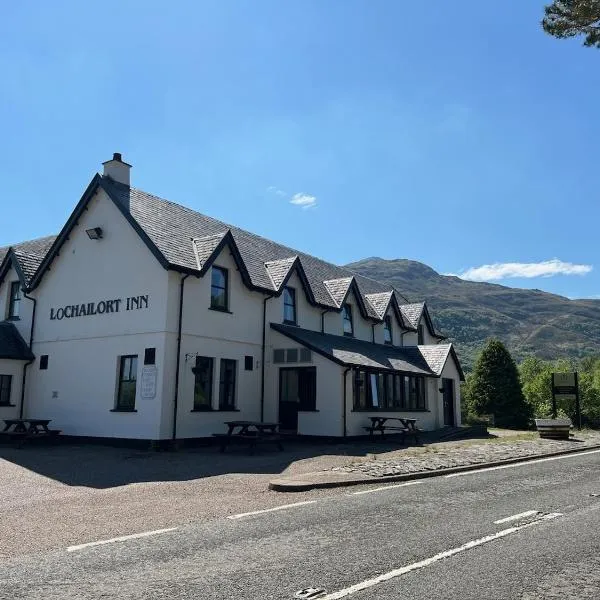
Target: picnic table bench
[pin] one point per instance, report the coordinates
(251, 433)
(405, 427)
(28, 429)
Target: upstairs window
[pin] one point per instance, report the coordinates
(14, 304)
(387, 330)
(219, 292)
(420, 335)
(289, 305)
(347, 320)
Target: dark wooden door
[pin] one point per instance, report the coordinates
(297, 391)
(448, 400)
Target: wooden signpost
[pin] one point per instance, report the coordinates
(565, 386)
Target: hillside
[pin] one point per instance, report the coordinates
(528, 321)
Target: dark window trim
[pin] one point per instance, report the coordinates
(222, 371)
(221, 310)
(211, 381)
(14, 300)
(311, 369)
(292, 293)
(9, 378)
(347, 316)
(119, 407)
(395, 403)
(225, 273)
(125, 410)
(387, 325)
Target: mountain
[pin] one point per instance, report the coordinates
(469, 312)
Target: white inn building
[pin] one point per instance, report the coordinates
(144, 319)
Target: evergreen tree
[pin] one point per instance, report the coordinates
(495, 388)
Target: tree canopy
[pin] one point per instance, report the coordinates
(571, 18)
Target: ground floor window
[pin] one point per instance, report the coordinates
(127, 383)
(5, 385)
(388, 391)
(299, 386)
(203, 383)
(227, 375)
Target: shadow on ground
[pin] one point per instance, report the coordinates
(98, 466)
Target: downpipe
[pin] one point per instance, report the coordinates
(29, 362)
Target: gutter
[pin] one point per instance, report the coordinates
(262, 359)
(323, 320)
(178, 359)
(29, 362)
(345, 428)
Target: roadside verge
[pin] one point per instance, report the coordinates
(333, 479)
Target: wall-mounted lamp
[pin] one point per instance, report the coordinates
(95, 233)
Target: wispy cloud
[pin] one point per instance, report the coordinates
(545, 268)
(304, 200)
(300, 199)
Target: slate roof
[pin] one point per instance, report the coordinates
(347, 351)
(29, 254)
(170, 227)
(380, 302)
(278, 270)
(12, 345)
(205, 246)
(412, 312)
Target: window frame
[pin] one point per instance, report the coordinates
(208, 405)
(292, 293)
(387, 327)
(14, 301)
(222, 384)
(420, 334)
(5, 389)
(347, 318)
(213, 304)
(120, 406)
(396, 392)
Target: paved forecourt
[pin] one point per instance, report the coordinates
(507, 530)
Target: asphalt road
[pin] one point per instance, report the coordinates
(347, 538)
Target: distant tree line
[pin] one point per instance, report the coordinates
(515, 395)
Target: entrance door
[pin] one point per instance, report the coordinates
(297, 391)
(448, 400)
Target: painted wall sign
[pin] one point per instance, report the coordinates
(148, 382)
(99, 308)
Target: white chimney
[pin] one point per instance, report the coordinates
(117, 170)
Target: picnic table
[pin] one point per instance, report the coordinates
(406, 427)
(250, 432)
(26, 429)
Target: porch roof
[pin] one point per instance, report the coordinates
(347, 351)
(12, 345)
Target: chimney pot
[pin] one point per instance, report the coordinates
(117, 170)
(117, 156)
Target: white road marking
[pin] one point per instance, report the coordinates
(363, 585)
(522, 464)
(122, 538)
(266, 510)
(385, 487)
(527, 513)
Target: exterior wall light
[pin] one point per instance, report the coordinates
(95, 233)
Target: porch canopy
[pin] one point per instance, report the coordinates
(427, 361)
(12, 345)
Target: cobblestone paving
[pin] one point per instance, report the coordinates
(456, 454)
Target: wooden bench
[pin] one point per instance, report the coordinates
(251, 433)
(406, 427)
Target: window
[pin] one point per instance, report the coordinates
(387, 330)
(203, 383)
(227, 384)
(5, 383)
(43, 362)
(14, 305)
(291, 355)
(219, 295)
(388, 391)
(289, 305)
(305, 355)
(150, 356)
(249, 363)
(420, 335)
(299, 386)
(127, 383)
(279, 355)
(347, 319)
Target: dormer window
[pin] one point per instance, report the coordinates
(289, 305)
(347, 320)
(14, 305)
(420, 335)
(219, 292)
(387, 330)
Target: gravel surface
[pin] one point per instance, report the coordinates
(457, 454)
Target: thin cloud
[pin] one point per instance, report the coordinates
(304, 201)
(546, 268)
(273, 190)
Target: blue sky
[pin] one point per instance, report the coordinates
(453, 133)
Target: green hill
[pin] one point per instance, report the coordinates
(528, 321)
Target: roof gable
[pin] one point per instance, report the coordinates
(25, 257)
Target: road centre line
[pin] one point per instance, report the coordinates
(122, 538)
(267, 510)
(368, 583)
(527, 513)
(522, 464)
(385, 487)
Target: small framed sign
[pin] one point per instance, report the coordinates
(148, 382)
